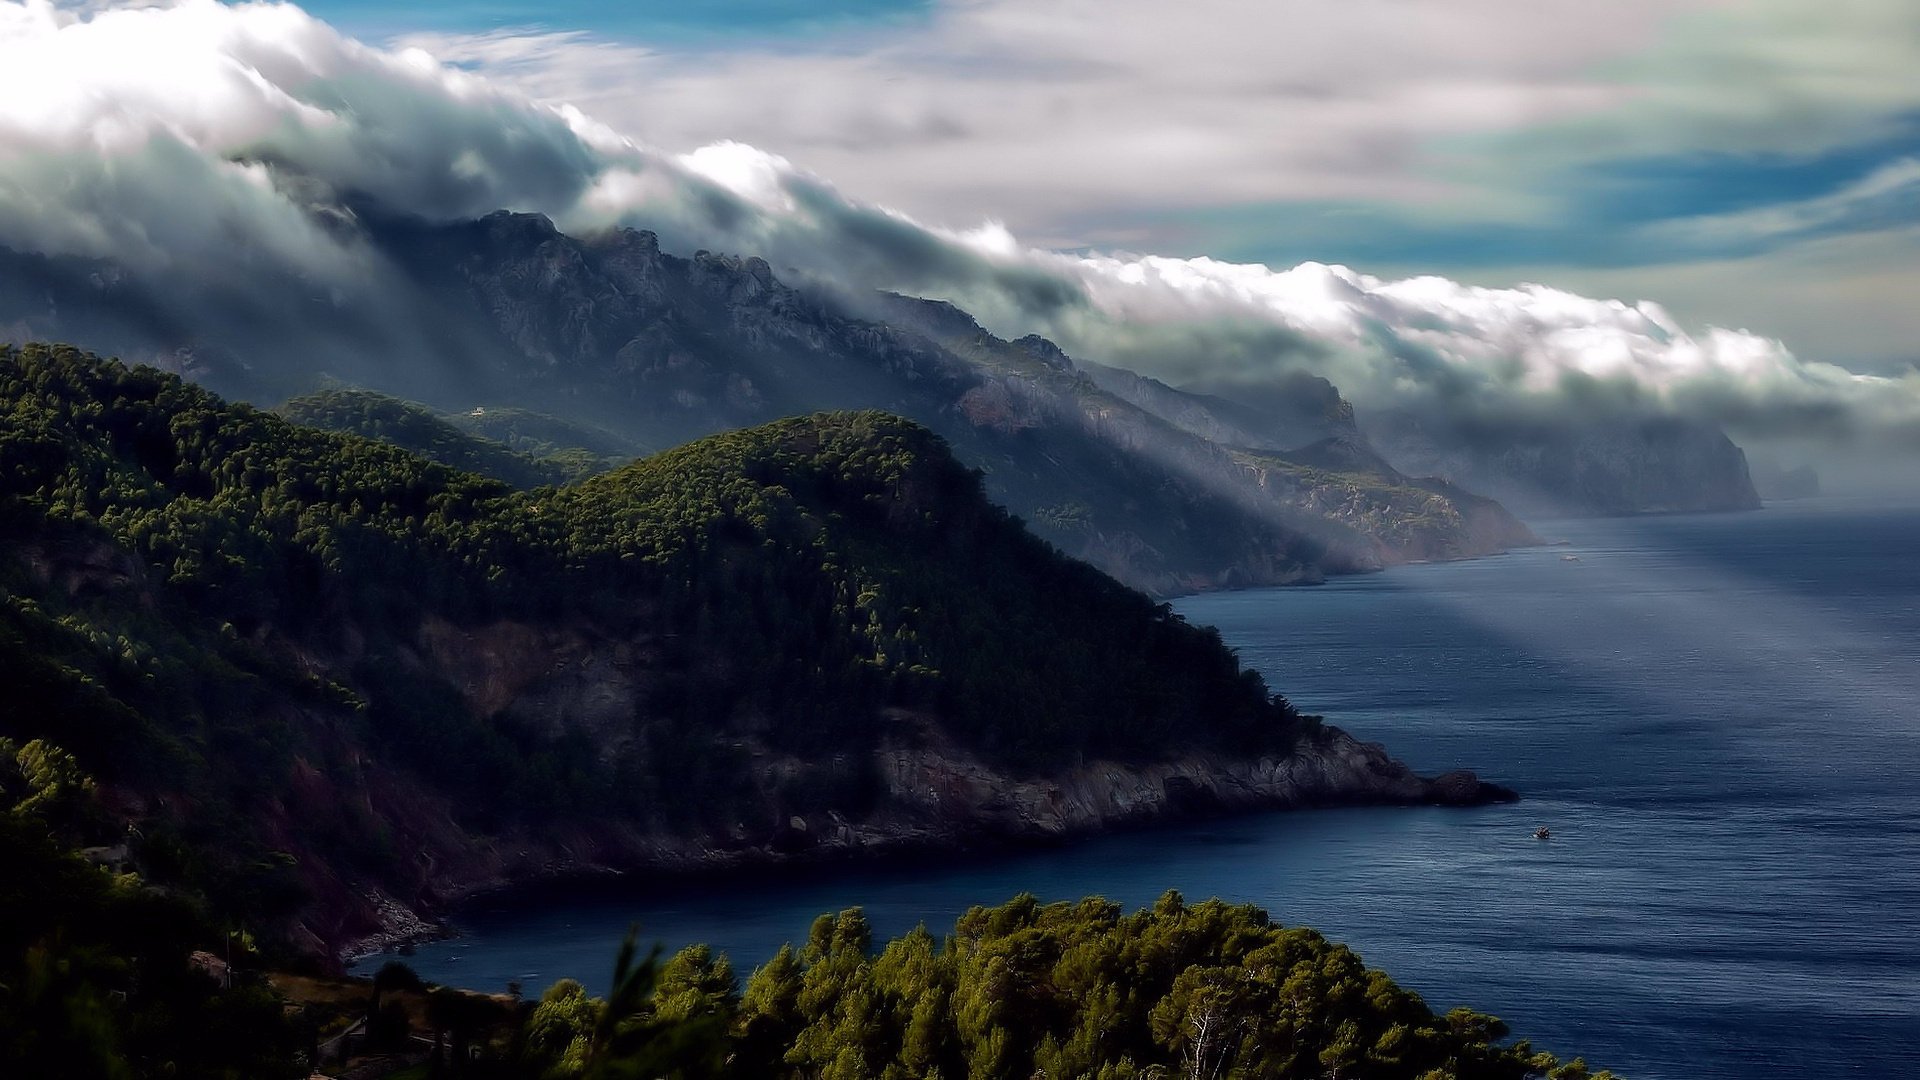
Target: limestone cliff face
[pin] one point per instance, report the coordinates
(1330, 769)
(1295, 411)
(1623, 466)
(1287, 457)
(552, 680)
(1399, 519)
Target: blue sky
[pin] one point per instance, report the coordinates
(691, 25)
(1708, 154)
(1611, 214)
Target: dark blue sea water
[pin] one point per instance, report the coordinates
(1718, 716)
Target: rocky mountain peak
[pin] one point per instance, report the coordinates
(631, 241)
(514, 227)
(1044, 351)
(938, 319)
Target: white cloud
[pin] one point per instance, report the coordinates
(1787, 77)
(1129, 123)
(197, 137)
(1392, 343)
(150, 133)
(1073, 118)
(1039, 111)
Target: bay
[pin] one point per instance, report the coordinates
(1718, 716)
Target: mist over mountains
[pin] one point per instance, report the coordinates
(611, 331)
(205, 186)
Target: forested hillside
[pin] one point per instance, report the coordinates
(420, 430)
(273, 688)
(849, 552)
(298, 660)
(97, 981)
(1027, 990)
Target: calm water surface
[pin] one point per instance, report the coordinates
(1718, 716)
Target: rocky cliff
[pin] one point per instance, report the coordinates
(1295, 439)
(1286, 413)
(1626, 465)
(1289, 456)
(933, 797)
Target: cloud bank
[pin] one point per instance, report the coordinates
(207, 141)
(1530, 352)
(1104, 122)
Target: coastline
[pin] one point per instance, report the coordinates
(937, 802)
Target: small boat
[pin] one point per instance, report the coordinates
(1543, 833)
(1569, 558)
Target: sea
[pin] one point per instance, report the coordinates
(1716, 716)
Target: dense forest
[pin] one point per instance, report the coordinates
(1022, 990)
(97, 973)
(845, 554)
(234, 714)
(524, 448)
(253, 633)
(434, 437)
(97, 980)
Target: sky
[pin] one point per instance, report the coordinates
(1495, 209)
(1753, 165)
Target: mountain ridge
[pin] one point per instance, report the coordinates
(608, 329)
(1605, 466)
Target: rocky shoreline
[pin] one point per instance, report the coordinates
(936, 798)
